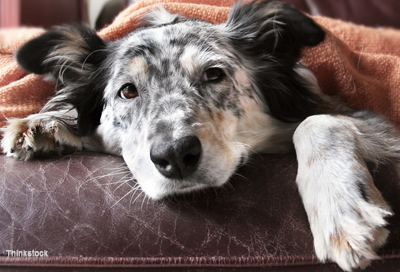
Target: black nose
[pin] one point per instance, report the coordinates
(176, 159)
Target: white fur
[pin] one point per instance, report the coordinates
(346, 227)
(43, 132)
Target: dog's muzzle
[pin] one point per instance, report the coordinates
(176, 159)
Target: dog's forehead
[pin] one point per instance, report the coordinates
(169, 40)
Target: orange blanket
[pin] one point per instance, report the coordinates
(359, 64)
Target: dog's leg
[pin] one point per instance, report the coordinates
(345, 210)
(45, 132)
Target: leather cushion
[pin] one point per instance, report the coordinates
(79, 205)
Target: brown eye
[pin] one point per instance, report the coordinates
(213, 75)
(128, 91)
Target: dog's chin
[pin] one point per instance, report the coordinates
(185, 189)
(210, 173)
(158, 187)
(169, 188)
(166, 187)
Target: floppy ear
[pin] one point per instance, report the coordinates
(71, 57)
(269, 36)
(269, 27)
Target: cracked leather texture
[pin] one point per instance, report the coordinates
(81, 206)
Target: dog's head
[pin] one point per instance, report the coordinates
(182, 100)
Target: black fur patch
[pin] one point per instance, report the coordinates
(72, 56)
(32, 54)
(271, 36)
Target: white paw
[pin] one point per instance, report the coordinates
(23, 138)
(345, 210)
(18, 139)
(350, 235)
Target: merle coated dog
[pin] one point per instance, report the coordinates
(186, 102)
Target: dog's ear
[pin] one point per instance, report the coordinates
(269, 37)
(67, 49)
(72, 57)
(269, 27)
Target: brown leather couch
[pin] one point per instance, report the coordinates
(79, 210)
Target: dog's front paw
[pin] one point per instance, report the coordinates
(18, 139)
(23, 138)
(349, 234)
(345, 209)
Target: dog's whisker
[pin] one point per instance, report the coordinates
(130, 200)
(125, 179)
(96, 178)
(241, 176)
(143, 200)
(136, 189)
(138, 196)
(229, 184)
(117, 173)
(122, 184)
(132, 190)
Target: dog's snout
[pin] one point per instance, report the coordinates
(176, 159)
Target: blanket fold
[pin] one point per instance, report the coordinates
(359, 64)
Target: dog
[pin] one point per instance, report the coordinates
(186, 102)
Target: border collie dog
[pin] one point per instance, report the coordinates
(186, 102)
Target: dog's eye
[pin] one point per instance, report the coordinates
(213, 75)
(128, 91)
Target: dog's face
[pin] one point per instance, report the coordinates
(183, 106)
(179, 98)
(182, 100)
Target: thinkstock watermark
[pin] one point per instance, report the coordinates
(27, 253)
